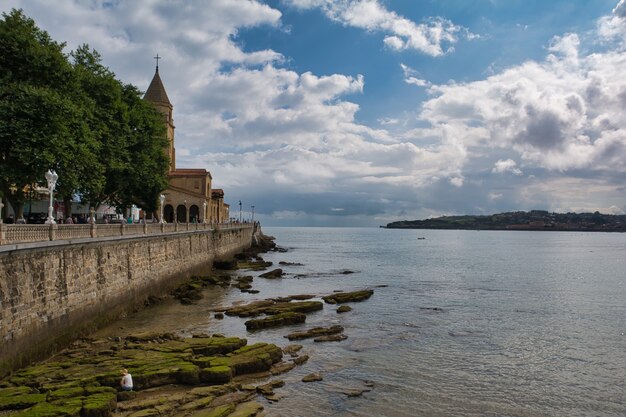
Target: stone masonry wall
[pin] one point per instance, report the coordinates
(53, 293)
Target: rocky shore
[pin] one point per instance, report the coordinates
(199, 376)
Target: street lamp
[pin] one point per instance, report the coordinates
(52, 178)
(161, 200)
(239, 211)
(252, 214)
(204, 212)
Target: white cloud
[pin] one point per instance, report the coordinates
(613, 28)
(561, 114)
(388, 121)
(430, 37)
(457, 181)
(410, 77)
(506, 165)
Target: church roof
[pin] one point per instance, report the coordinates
(156, 92)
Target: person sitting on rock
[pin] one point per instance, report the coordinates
(126, 383)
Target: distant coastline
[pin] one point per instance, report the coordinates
(521, 220)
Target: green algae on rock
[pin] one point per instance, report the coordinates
(254, 265)
(315, 332)
(282, 319)
(82, 381)
(271, 307)
(344, 309)
(347, 297)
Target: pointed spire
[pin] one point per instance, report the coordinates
(156, 92)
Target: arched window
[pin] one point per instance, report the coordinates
(194, 211)
(168, 213)
(181, 214)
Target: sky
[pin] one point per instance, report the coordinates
(363, 112)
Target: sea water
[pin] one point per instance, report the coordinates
(461, 323)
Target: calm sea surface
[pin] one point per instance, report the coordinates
(528, 323)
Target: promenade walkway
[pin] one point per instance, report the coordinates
(16, 236)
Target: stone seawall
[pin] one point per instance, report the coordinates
(51, 293)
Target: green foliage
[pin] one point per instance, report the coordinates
(75, 117)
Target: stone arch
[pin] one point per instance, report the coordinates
(194, 212)
(181, 213)
(168, 213)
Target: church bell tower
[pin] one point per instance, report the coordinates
(158, 97)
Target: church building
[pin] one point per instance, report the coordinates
(189, 197)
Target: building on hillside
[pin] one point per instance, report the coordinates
(188, 197)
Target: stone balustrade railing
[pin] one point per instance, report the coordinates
(11, 234)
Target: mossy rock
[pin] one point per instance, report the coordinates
(216, 374)
(203, 362)
(188, 374)
(248, 409)
(45, 409)
(214, 391)
(298, 307)
(151, 337)
(155, 377)
(276, 273)
(221, 411)
(254, 265)
(20, 401)
(65, 393)
(346, 297)
(274, 351)
(344, 309)
(215, 345)
(282, 319)
(249, 309)
(126, 395)
(315, 332)
(197, 404)
(99, 405)
(146, 413)
(251, 359)
(13, 391)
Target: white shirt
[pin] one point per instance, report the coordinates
(127, 381)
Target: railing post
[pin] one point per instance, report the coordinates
(53, 230)
(176, 226)
(2, 233)
(162, 227)
(122, 229)
(92, 230)
(145, 227)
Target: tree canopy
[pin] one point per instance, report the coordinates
(69, 113)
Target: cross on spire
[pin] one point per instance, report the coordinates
(157, 57)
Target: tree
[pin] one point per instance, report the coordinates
(105, 142)
(142, 174)
(38, 121)
(131, 134)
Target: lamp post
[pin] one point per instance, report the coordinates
(252, 214)
(239, 211)
(161, 200)
(204, 212)
(52, 178)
